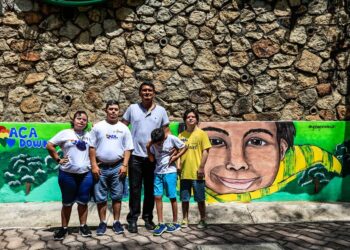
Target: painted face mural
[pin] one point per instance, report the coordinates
(248, 161)
(242, 158)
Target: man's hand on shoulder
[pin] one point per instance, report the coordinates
(125, 122)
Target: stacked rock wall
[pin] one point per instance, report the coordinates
(233, 60)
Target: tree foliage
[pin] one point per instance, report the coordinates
(24, 169)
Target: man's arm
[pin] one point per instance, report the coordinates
(166, 129)
(149, 153)
(127, 116)
(94, 167)
(165, 122)
(126, 122)
(124, 168)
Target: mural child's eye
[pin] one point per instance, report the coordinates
(256, 142)
(218, 142)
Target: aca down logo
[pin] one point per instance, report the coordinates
(27, 137)
(4, 137)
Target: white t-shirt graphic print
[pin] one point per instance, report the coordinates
(78, 160)
(110, 141)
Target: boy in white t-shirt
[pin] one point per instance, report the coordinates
(160, 149)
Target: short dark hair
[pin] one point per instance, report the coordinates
(191, 110)
(79, 113)
(150, 84)
(111, 102)
(286, 131)
(157, 135)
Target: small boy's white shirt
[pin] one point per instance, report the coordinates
(162, 154)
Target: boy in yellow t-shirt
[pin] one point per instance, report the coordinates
(192, 166)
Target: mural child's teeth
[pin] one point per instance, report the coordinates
(240, 184)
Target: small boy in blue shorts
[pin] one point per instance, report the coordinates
(160, 149)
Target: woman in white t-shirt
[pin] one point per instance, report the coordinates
(74, 178)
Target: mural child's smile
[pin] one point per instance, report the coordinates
(239, 184)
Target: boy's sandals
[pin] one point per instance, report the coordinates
(184, 223)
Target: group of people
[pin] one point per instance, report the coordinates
(98, 162)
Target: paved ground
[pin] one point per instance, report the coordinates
(306, 225)
(301, 235)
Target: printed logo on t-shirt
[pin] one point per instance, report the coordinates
(114, 135)
(193, 146)
(80, 143)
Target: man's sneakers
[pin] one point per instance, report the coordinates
(101, 230)
(160, 228)
(149, 225)
(60, 234)
(118, 228)
(172, 227)
(132, 227)
(202, 224)
(85, 231)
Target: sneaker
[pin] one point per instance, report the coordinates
(160, 228)
(118, 228)
(149, 225)
(101, 229)
(184, 223)
(85, 231)
(132, 228)
(172, 227)
(59, 235)
(202, 224)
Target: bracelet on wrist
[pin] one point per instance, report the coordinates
(58, 160)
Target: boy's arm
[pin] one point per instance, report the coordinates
(176, 156)
(149, 153)
(204, 159)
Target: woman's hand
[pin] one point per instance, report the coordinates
(63, 160)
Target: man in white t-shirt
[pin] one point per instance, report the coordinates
(144, 117)
(110, 150)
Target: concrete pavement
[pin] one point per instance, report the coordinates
(287, 225)
(47, 214)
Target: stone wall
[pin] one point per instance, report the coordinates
(233, 60)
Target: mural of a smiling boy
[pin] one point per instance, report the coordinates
(249, 160)
(245, 157)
